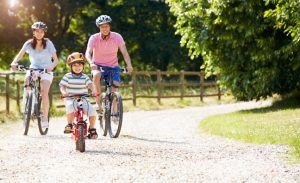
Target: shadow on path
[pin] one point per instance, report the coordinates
(149, 140)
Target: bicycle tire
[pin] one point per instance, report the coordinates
(39, 118)
(102, 117)
(27, 112)
(115, 121)
(81, 140)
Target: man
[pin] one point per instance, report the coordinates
(102, 50)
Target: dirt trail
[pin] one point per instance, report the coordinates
(154, 146)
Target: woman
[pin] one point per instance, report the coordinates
(41, 53)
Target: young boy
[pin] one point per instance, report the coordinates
(74, 83)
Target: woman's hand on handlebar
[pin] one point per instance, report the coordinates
(50, 68)
(13, 67)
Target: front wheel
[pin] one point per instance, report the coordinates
(27, 112)
(80, 143)
(115, 115)
(103, 116)
(43, 131)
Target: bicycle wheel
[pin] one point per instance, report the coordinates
(27, 112)
(80, 143)
(43, 131)
(115, 116)
(103, 116)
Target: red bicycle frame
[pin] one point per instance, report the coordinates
(78, 122)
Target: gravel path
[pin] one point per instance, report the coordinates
(154, 146)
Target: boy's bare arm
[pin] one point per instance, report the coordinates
(92, 88)
(63, 90)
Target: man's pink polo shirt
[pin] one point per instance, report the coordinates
(105, 52)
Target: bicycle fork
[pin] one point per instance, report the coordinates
(80, 122)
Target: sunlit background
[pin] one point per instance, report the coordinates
(13, 3)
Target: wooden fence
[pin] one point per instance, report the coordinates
(12, 86)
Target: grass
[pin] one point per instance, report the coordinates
(277, 124)
(152, 104)
(142, 104)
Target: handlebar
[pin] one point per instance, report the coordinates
(23, 68)
(80, 96)
(105, 69)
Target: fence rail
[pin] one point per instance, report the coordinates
(11, 86)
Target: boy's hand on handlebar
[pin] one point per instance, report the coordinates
(96, 94)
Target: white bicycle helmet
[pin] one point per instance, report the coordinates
(39, 25)
(103, 19)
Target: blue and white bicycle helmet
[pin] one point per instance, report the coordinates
(39, 25)
(103, 19)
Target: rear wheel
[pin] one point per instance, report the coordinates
(43, 131)
(103, 116)
(80, 143)
(115, 115)
(27, 112)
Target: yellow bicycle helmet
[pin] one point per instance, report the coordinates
(76, 57)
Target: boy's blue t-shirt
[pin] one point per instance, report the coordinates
(40, 59)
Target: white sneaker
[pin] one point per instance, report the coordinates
(45, 124)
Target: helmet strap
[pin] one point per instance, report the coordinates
(76, 74)
(105, 37)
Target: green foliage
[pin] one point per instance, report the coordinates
(237, 41)
(286, 16)
(146, 25)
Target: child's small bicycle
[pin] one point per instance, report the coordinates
(79, 124)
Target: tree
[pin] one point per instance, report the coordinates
(286, 16)
(146, 25)
(254, 59)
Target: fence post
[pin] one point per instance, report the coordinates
(18, 96)
(219, 90)
(7, 93)
(181, 84)
(158, 86)
(133, 88)
(201, 85)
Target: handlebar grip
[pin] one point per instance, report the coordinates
(124, 70)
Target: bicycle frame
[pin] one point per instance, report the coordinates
(109, 83)
(35, 87)
(79, 122)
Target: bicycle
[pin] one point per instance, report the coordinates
(32, 107)
(110, 121)
(79, 125)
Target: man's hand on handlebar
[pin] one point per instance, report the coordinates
(129, 69)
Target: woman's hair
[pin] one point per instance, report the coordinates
(34, 42)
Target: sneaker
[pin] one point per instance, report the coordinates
(45, 124)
